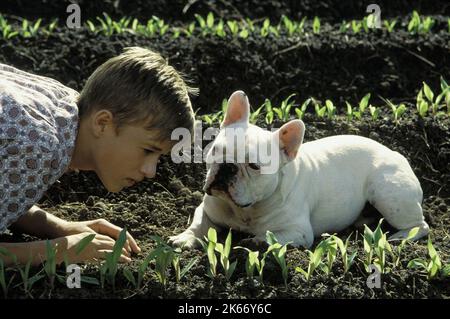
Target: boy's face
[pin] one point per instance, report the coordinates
(127, 157)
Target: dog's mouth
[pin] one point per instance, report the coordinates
(226, 195)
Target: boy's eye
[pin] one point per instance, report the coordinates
(147, 151)
(254, 166)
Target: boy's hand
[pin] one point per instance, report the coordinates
(102, 227)
(96, 249)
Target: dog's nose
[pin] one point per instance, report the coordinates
(207, 190)
(228, 169)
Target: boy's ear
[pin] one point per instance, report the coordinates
(100, 120)
(290, 137)
(238, 109)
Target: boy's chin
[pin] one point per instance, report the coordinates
(114, 187)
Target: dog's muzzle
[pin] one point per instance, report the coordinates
(222, 179)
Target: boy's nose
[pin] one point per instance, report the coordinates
(149, 169)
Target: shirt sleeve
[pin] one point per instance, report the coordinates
(28, 161)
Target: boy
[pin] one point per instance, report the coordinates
(118, 126)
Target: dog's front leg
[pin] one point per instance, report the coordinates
(198, 229)
(296, 237)
(298, 234)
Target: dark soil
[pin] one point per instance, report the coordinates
(183, 10)
(327, 66)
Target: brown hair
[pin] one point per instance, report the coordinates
(139, 86)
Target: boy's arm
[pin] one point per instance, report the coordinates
(39, 223)
(66, 247)
(24, 252)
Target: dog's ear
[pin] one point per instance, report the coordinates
(238, 109)
(290, 137)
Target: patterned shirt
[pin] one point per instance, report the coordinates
(38, 128)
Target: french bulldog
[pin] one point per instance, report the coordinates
(318, 187)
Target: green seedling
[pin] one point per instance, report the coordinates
(414, 23)
(163, 259)
(141, 271)
(28, 29)
(161, 26)
(107, 27)
(108, 269)
(50, 264)
(427, 25)
(233, 26)
(224, 252)
(27, 282)
(434, 102)
(315, 261)
(220, 29)
(293, 27)
(265, 28)
(210, 119)
(368, 22)
(283, 112)
(330, 248)
(6, 29)
(420, 26)
(432, 267)
(164, 256)
(374, 112)
(347, 260)
(244, 33)
(3, 282)
(316, 25)
(349, 112)
(179, 272)
(421, 105)
(302, 110)
(362, 106)
(250, 24)
(356, 26)
(253, 263)
(189, 31)
(210, 248)
(91, 26)
(390, 25)
(375, 247)
(269, 111)
(397, 110)
(279, 253)
(320, 110)
(412, 233)
(343, 28)
(206, 25)
(289, 25)
(331, 109)
(50, 27)
(255, 115)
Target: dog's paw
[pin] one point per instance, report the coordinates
(185, 240)
(254, 243)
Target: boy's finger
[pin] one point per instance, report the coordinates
(114, 231)
(133, 243)
(122, 258)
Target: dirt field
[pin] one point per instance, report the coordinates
(330, 65)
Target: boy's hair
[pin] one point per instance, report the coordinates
(139, 86)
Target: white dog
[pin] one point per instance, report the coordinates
(320, 186)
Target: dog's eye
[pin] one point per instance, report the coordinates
(254, 166)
